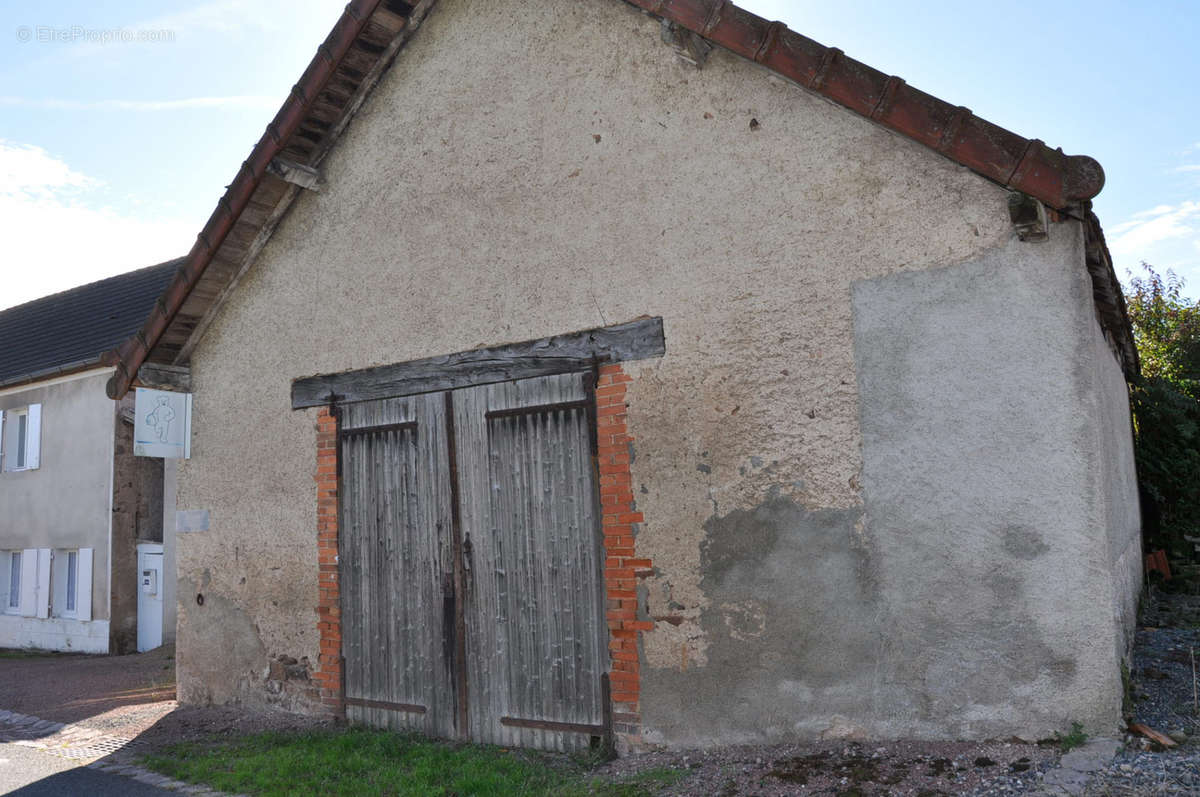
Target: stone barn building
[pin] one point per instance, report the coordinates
(648, 369)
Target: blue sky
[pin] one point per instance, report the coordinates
(120, 124)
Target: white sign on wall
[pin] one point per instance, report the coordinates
(162, 424)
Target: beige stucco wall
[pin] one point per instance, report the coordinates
(527, 169)
(66, 501)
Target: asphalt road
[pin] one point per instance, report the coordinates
(28, 772)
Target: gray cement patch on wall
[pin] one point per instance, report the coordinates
(979, 591)
(792, 630)
(981, 474)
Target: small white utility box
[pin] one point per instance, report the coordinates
(150, 598)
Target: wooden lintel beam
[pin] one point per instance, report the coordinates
(165, 377)
(296, 173)
(577, 351)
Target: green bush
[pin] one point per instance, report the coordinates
(1166, 408)
(1167, 445)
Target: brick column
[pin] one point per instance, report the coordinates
(328, 676)
(622, 568)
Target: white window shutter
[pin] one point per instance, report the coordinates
(43, 582)
(1, 440)
(33, 447)
(29, 574)
(83, 585)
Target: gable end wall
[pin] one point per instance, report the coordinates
(530, 169)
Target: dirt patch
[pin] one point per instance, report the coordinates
(856, 768)
(915, 769)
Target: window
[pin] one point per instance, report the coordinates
(71, 583)
(13, 603)
(20, 437)
(25, 579)
(72, 579)
(22, 421)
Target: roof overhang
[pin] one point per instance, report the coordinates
(1019, 163)
(363, 42)
(58, 372)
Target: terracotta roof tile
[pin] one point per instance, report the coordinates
(1022, 164)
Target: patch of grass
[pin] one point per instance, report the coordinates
(366, 762)
(1069, 741)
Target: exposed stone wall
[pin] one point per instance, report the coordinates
(137, 516)
(124, 578)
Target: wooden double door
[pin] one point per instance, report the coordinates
(470, 560)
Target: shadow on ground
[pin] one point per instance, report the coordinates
(61, 711)
(74, 687)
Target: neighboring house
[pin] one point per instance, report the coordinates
(74, 501)
(792, 417)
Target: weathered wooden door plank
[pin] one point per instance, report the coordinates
(536, 636)
(459, 630)
(392, 553)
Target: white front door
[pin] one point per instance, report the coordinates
(150, 596)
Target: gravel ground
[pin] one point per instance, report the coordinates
(1166, 697)
(1166, 659)
(1140, 773)
(910, 769)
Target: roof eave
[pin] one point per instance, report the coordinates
(129, 355)
(1111, 310)
(1015, 162)
(100, 361)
